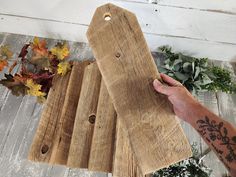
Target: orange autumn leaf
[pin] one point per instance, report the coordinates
(5, 54)
(3, 64)
(39, 47)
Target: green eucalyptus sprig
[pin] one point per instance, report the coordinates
(195, 73)
(192, 167)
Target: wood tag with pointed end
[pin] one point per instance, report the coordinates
(128, 70)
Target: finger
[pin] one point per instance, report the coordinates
(159, 87)
(170, 80)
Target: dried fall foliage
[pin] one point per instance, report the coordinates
(33, 70)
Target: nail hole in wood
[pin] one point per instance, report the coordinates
(117, 55)
(92, 119)
(107, 16)
(44, 149)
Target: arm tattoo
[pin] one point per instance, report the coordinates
(212, 132)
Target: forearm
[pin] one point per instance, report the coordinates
(218, 134)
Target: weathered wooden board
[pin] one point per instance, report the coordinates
(128, 70)
(124, 164)
(85, 118)
(101, 152)
(42, 146)
(63, 135)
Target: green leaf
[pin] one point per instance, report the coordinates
(177, 62)
(177, 67)
(193, 66)
(171, 74)
(181, 77)
(167, 61)
(187, 67)
(162, 70)
(197, 72)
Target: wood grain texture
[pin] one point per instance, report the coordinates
(128, 70)
(85, 118)
(124, 163)
(42, 146)
(101, 152)
(63, 136)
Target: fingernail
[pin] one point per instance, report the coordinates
(156, 82)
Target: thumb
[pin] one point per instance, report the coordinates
(159, 87)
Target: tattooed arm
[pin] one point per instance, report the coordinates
(219, 134)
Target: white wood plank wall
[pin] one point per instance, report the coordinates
(203, 28)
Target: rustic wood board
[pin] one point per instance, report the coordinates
(42, 146)
(63, 136)
(101, 152)
(124, 164)
(85, 118)
(128, 70)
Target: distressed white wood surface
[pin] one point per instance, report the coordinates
(204, 28)
(19, 118)
(220, 6)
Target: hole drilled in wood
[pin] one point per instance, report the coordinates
(117, 55)
(92, 119)
(44, 149)
(107, 16)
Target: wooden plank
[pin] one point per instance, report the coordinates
(85, 118)
(128, 70)
(43, 142)
(63, 135)
(101, 153)
(124, 163)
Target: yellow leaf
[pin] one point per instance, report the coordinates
(36, 41)
(63, 68)
(61, 51)
(5, 52)
(34, 88)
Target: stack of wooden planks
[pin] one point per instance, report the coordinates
(111, 121)
(79, 128)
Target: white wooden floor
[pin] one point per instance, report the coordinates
(19, 117)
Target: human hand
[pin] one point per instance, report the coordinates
(184, 104)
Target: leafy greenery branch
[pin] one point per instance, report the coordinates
(192, 167)
(195, 73)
